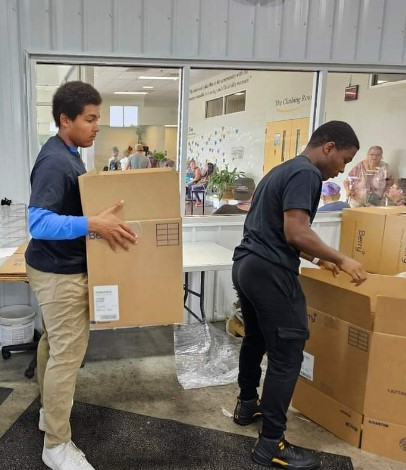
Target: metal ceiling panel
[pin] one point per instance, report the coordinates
(345, 30)
(320, 30)
(129, 26)
(214, 25)
(158, 27)
(268, 29)
(69, 25)
(98, 25)
(370, 29)
(186, 28)
(393, 35)
(240, 28)
(294, 30)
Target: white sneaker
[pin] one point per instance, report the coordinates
(65, 457)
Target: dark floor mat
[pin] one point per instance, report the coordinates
(4, 393)
(118, 440)
(126, 343)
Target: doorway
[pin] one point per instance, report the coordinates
(284, 140)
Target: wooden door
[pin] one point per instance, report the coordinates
(284, 140)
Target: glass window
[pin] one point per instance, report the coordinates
(265, 122)
(214, 107)
(140, 105)
(123, 116)
(378, 118)
(382, 78)
(235, 103)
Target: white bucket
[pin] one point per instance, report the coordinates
(16, 324)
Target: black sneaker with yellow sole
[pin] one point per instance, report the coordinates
(278, 452)
(247, 411)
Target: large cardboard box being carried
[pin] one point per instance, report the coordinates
(367, 236)
(354, 371)
(143, 286)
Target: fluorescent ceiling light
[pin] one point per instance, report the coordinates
(131, 93)
(144, 77)
(171, 125)
(148, 87)
(240, 93)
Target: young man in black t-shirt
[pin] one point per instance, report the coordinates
(277, 232)
(56, 264)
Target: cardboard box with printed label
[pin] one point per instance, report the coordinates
(365, 237)
(143, 286)
(355, 358)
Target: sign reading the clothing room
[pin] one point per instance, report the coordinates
(291, 103)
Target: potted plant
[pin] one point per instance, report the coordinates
(140, 131)
(222, 182)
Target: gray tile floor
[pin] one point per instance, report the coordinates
(147, 384)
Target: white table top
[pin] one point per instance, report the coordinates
(5, 253)
(206, 256)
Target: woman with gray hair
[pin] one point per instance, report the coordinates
(369, 180)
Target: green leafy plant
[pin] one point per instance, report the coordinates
(222, 181)
(158, 156)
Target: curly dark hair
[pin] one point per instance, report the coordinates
(339, 132)
(71, 99)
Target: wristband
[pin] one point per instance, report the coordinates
(316, 261)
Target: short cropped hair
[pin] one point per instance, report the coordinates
(71, 99)
(339, 132)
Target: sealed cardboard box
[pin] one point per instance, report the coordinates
(143, 286)
(354, 360)
(362, 236)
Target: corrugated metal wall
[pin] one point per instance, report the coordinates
(295, 32)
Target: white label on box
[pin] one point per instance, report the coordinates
(106, 306)
(307, 366)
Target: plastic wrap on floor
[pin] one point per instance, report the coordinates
(205, 355)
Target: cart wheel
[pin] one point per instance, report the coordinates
(6, 354)
(29, 373)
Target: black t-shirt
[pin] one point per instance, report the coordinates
(55, 187)
(295, 184)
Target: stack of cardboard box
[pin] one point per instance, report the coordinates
(143, 286)
(353, 379)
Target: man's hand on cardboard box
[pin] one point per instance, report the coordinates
(114, 230)
(329, 266)
(353, 268)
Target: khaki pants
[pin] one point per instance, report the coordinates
(64, 303)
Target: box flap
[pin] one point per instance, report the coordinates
(339, 297)
(148, 194)
(331, 295)
(390, 316)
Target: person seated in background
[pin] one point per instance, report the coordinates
(369, 180)
(202, 184)
(396, 196)
(330, 195)
(193, 177)
(114, 161)
(138, 160)
(243, 191)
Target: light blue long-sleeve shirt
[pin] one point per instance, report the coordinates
(47, 225)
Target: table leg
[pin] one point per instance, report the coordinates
(197, 294)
